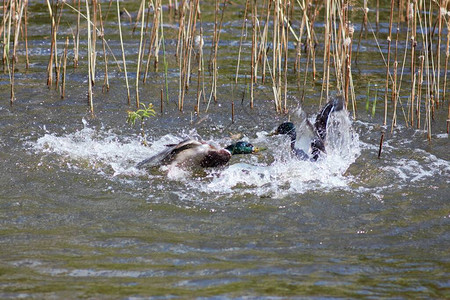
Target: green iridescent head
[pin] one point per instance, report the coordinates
(287, 128)
(242, 148)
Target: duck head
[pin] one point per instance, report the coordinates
(241, 147)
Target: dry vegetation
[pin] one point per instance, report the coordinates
(321, 53)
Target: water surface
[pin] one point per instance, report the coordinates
(79, 220)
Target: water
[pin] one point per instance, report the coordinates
(78, 220)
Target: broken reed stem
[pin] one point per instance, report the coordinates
(53, 50)
(215, 50)
(123, 53)
(447, 55)
(263, 43)
(77, 38)
(240, 40)
(388, 63)
(25, 23)
(253, 53)
(441, 13)
(326, 54)
(105, 86)
(154, 38)
(394, 97)
(17, 22)
(5, 41)
(142, 10)
(363, 28)
(93, 40)
(166, 83)
(89, 54)
(285, 38)
(63, 79)
(412, 25)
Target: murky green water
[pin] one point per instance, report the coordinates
(79, 221)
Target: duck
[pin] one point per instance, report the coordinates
(319, 129)
(195, 153)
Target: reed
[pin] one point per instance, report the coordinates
(153, 48)
(215, 50)
(76, 45)
(25, 25)
(63, 78)
(141, 44)
(363, 28)
(105, 86)
(270, 57)
(53, 47)
(241, 39)
(90, 60)
(412, 24)
(123, 53)
(389, 39)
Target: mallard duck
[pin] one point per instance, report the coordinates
(319, 129)
(194, 153)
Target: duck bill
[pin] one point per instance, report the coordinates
(259, 149)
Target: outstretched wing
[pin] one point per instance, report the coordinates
(169, 154)
(320, 124)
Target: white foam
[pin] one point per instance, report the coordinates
(275, 173)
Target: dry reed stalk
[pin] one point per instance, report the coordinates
(161, 22)
(6, 34)
(17, 22)
(348, 63)
(381, 144)
(89, 55)
(138, 17)
(58, 11)
(105, 86)
(123, 53)
(377, 16)
(447, 55)
(276, 58)
(25, 24)
(215, 51)
(154, 38)
(53, 49)
(162, 102)
(412, 24)
(303, 25)
(441, 13)
(253, 53)
(429, 100)
(419, 89)
(263, 47)
(394, 98)
(200, 71)
(363, 28)
(63, 79)
(76, 45)
(187, 44)
(285, 39)
(94, 39)
(141, 45)
(244, 22)
(327, 50)
(179, 54)
(388, 63)
(147, 20)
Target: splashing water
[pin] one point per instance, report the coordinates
(274, 173)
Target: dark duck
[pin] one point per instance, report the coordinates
(319, 129)
(194, 153)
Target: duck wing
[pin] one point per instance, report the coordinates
(320, 125)
(169, 154)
